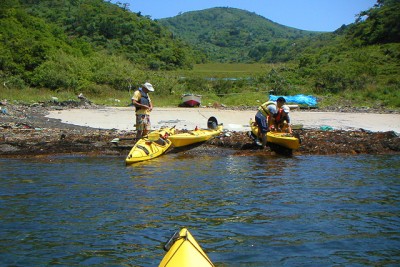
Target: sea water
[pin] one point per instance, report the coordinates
(242, 210)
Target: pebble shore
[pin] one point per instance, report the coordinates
(26, 132)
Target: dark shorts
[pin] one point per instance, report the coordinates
(262, 122)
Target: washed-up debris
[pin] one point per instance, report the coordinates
(27, 132)
(21, 142)
(170, 121)
(85, 100)
(326, 128)
(325, 143)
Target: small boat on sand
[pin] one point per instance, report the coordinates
(191, 100)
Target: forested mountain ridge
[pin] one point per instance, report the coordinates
(111, 27)
(358, 61)
(228, 34)
(78, 43)
(378, 25)
(93, 46)
(233, 35)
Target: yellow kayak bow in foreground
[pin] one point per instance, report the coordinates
(183, 251)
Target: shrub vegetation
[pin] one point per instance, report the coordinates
(66, 47)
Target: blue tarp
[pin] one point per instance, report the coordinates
(299, 99)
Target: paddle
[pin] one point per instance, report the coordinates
(117, 140)
(152, 137)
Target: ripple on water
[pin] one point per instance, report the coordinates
(243, 210)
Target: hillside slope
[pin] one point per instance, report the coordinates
(228, 34)
(73, 44)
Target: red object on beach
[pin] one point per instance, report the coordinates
(191, 100)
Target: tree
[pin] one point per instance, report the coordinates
(378, 25)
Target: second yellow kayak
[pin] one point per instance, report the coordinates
(195, 136)
(283, 139)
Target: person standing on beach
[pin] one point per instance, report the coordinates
(142, 102)
(265, 117)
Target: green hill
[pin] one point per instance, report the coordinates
(94, 47)
(360, 61)
(229, 34)
(78, 44)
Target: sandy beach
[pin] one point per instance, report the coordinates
(47, 130)
(122, 118)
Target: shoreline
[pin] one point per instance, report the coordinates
(122, 118)
(29, 131)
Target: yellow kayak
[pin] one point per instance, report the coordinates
(195, 136)
(183, 251)
(278, 138)
(150, 146)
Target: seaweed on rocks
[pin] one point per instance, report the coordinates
(25, 131)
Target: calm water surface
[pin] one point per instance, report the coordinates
(243, 210)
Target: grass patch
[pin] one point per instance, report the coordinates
(230, 85)
(34, 95)
(231, 69)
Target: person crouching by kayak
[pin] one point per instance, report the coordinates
(282, 119)
(141, 100)
(265, 117)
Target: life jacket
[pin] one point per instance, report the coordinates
(280, 116)
(264, 108)
(144, 99)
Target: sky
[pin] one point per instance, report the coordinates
(311, 15)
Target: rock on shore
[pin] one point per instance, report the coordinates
(25, 131)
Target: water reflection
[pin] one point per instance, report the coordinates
(242, 209)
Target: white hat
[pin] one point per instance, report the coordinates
(149, 87)
(286, 108)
